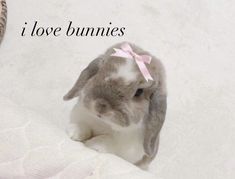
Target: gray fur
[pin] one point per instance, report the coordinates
(154, 121)
(116, 95)
(3, 18)
(86, 74)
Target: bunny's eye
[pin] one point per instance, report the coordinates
(139, 92)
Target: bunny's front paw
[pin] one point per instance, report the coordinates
(77, 133)
(99, 147)
(100, 143)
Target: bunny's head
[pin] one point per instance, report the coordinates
(114, 89)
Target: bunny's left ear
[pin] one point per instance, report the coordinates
(86, 74)
(154, 121)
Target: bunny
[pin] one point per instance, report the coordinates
(118, 111)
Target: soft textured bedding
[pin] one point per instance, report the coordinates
(31, 147)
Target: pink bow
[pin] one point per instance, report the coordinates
(127, 52)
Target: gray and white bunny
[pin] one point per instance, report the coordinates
(3, 18)
(118, 111)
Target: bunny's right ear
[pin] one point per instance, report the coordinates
(85, 75)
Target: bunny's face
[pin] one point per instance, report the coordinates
(117, 93)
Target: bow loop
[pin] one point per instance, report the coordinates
(126, 47)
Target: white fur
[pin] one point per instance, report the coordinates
(124, 142)
(126, 71)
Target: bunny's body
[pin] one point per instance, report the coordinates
(119, 111)
(107, 137)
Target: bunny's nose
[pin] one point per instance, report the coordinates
(102, 106)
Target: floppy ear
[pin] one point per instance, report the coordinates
(85, 75)
(154, 121)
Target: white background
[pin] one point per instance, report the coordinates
(195, 41)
